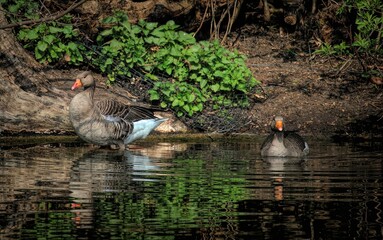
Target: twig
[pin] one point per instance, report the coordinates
(345, 65)
(46, 19)
(213, 24)
(232, 19)
(202, 21)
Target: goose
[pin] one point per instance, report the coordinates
(108, 122)
(281, 143)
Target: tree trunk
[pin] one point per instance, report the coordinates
(28, 102)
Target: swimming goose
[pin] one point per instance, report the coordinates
(281, 143)
(108, 122)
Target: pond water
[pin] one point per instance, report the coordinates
(208, 190)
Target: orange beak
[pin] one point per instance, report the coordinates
(76, 84)
(279, 125)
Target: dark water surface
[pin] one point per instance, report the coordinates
(217, 190)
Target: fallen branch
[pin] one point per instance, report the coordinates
(46, 19)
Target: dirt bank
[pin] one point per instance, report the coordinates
(320, 96)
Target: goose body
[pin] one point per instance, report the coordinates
(281, 143)
(108, 122)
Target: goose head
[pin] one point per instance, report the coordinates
(277, 124)
(84, 79)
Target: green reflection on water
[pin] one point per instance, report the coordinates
(192, 197)
(49, 225)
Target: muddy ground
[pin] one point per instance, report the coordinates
(318, 95)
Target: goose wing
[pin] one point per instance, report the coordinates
(267, 142)
(294, 141)
(115, 111)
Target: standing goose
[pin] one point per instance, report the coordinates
(281, 143)
(108, 122)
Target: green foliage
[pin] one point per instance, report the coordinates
(122, 46)
(328, 50)
(369, 26)
(51, 43)
(197, 73)
(25, 8)
(212, 73)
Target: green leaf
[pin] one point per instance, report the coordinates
(158, 33)
(151, 40)
(191, 98)
(42, 46)
(116, 45)
(106, 32)
(151, 25)
(111, 19)
(72, 46)
(174, 51)
(52, 29)
(38, 54)
(166, 92)
(220, 74)
(202, 83)
(171, 25)
(163, 104)
(32, 35)
(175, 103)
(68, 31)
(186, 38)
(215, 87)
(53, 54)
(151, 76)
(109, 61)
(154, 95)
(14, 8)
(186, 108)
(49, 38)
(169, 70)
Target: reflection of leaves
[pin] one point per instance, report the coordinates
(179, 199)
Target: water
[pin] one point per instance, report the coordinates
(215, 190)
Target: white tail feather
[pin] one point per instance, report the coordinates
(142, 128)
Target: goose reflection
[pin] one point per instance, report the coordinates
(100, 172)
(281, 164)
(279, 169)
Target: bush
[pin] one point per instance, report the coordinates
(368, 26)
(196, 74)
(52, 43)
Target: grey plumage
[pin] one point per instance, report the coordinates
(281, 143)
(106, 122)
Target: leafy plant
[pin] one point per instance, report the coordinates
(197, 74)
(216, 74)
(25, 8)
(369, 22)
(51, 43)
(122, 47)
(369, 28)
(328, 50)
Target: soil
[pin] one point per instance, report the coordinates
(318, 96)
